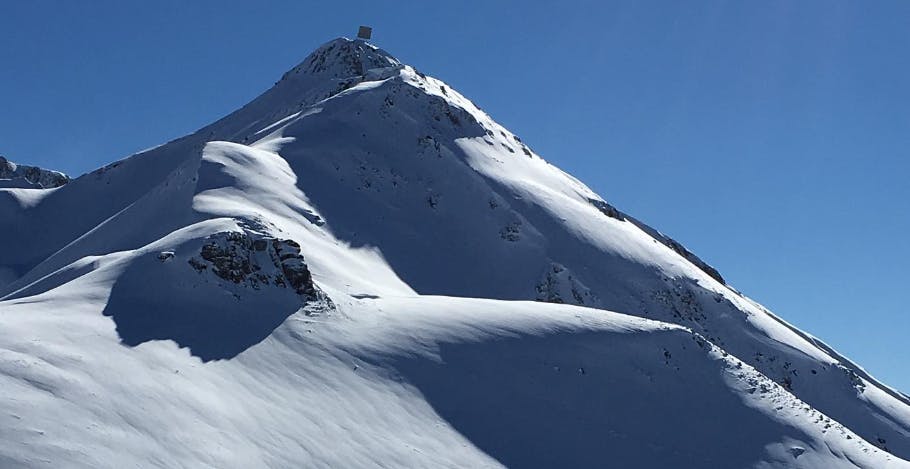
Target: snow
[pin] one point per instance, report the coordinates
(428, 229)
(25, 197)
(403, 381)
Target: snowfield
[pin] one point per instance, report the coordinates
(360, 268)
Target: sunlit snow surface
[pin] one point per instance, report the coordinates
(430, 230)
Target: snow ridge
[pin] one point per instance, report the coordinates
(14, 175)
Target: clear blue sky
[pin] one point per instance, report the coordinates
(771, 137)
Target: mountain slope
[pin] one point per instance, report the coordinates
(355, 199)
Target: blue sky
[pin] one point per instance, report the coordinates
(771, 138)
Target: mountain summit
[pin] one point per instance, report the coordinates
(361, 268)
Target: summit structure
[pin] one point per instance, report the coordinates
(361, 268)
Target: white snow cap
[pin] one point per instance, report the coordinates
(342, 58)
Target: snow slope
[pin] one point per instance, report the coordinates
(338, 274)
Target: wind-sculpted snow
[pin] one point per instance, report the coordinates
(405, 382)
(338, 275)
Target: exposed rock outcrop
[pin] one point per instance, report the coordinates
(14, 175)
(257, 261)
(558, 285)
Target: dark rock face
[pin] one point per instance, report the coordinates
(256, 261)
(682, 251)
(293, 266)
(347, 58)
(559, 285)
(511, 232)
(607, 209)
(30, 176)
(231, 260)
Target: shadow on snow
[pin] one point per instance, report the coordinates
(181, 305)
(586, 400)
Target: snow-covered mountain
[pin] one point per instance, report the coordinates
(361, 268)
(14, 175)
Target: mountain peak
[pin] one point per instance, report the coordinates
(333, 67)
(343, 58)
